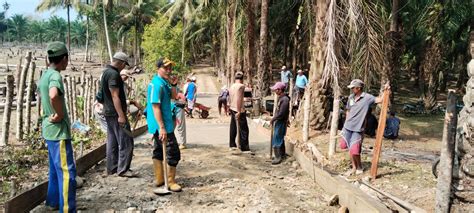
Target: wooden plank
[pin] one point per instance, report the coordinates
(379, 136)
(90, 159)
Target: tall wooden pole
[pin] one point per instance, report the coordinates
(7, 111)
(74, 99)
(445, 176)
(29, 96)
(20, 95)
(379, 136)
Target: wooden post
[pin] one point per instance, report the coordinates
(379, 136)
(74, 99)
(334, 122)
(19, 98)
(38, 103)
(66, 82)
(291, 97)
(29, 96)
(445, 168)
(7, 111)
(18, 73)
(87, 91)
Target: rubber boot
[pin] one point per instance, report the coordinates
(173, 186)
(277, 158)
(283, 151)
(158, 167)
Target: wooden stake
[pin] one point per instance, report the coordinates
(74, 99)
(7, 111)
(18, 74)
(379, 136)
(38, 104)
(19, 99)
(29, 96)
(445, 168)
(66, 82)
(334, 122)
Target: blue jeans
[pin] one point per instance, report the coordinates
(62, 176)
(279, 133)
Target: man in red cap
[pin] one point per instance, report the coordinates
(279, 121)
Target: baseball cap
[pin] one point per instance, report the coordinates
(122, 57)
(283, 67)
(164, 62)
(278, 85)
(56, 48)
(239, 75)
(356, 83)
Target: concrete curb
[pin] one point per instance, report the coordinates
(349, 196)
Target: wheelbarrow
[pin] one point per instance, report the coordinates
(202, 110)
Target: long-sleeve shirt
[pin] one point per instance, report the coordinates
(283, 109)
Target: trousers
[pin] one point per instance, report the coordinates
(119, 147)
(62, 176)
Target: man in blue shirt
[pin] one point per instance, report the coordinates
(300, 84)
(190, 93)
(285, 76)
(160, 122)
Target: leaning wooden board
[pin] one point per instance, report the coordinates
(31, 198)
(379, 136)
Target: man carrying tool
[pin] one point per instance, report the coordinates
(160, 123)
(57, 132)
(119, 141)
(238, 115)
(357, 107)
(279, 122)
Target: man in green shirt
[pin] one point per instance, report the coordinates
(56, 130)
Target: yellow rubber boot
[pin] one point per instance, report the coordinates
(173, 186)
(159, 177)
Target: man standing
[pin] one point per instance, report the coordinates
(357, 107)
(160, 122)
(57, 132)
(285, 76)
(180, 120)
(119, 143)
(300, 84)
(279, 122)
(238, 114)
(190, 93)
(222, 100)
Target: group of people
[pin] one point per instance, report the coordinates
(164, 113)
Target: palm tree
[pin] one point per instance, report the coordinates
(37, 31)
(78, 30)
(263, 58)
(140, 13)
(55, 28)
(55, 4)
(17, 27)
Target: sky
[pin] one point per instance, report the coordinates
(27, 8)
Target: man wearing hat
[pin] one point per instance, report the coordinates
(238, 114)
(57, 132)
(279, 122)
(119, 143)
(190, 93)
(161, 91)
(300, 84)
(357, 107)
(285, 75)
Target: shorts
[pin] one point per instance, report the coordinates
(351, 140)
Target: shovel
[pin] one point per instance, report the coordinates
(271, 141)
(125, 127)
(239, 148)
(164, 190)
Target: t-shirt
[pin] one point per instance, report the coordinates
(191, 91)
(283, 109)
(159, 92)
(111, 79)
(301, 81)
(224, 95)
(234, 91)
(285, 76)
(358, 111)
(392, 127)
(53, 131)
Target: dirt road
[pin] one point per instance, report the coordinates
(213, 179)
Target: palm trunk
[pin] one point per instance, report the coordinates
(263, 59)
(230, 42)
(250, 42)
(68, 6)
(86, 57)
(394, 50)
(183, 41)
(109, 48)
